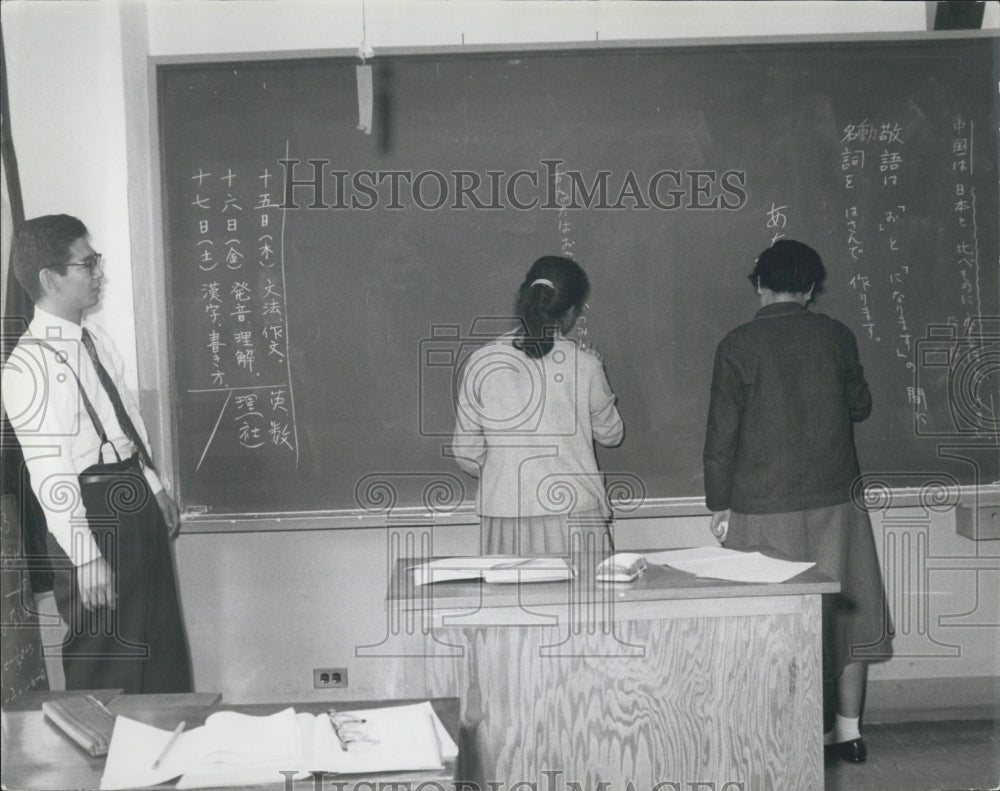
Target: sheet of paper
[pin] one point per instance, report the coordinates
(729, 564)
(754, 567)
(134, 748)
(233, 736)
(667, 557)
(449, 750)
(242, 749)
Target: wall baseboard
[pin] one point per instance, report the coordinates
(924, 699)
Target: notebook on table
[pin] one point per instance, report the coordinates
(84, 719)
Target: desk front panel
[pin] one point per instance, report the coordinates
(727, 691)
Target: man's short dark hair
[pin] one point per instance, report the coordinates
(43, 243)
(789, 267)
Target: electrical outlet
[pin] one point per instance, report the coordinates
(329, 677)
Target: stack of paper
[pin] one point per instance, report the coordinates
(233, 749)
(729, 564)
(239, 749)
(494, 569)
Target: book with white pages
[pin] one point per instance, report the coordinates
(500, 569)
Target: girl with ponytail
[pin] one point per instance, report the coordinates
(530, 406)
(545, 309)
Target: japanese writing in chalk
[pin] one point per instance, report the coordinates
(235, 227)
(963, 212)
(870, 140)
(871, 162)
(883, 239)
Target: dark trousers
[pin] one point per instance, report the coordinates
(139, 646)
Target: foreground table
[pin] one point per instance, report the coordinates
(37, 755)
(671, 679)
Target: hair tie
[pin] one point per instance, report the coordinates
(544, 282)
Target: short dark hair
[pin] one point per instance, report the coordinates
(43, 243)
(542, 305)
(788, 266)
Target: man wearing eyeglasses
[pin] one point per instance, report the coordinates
(109, 518)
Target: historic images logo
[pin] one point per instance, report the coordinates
(315, 185)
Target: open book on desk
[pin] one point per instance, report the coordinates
(494, 569)
(234, 749)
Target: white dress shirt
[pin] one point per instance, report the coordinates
(42, 401)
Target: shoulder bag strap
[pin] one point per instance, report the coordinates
(61, 357)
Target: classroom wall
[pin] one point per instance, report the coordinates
(263, 608)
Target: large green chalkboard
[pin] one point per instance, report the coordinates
(324, 283)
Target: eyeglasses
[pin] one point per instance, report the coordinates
(348, 729)
(91, 262)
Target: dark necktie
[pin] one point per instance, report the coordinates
(116, 401)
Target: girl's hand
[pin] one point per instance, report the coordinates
(720, 524)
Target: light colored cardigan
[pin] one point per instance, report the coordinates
(527, 427)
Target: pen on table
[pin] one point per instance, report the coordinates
(168, 745)
(100, 705)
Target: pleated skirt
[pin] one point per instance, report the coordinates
(546, 535)
(838, 538)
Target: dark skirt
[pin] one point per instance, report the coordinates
(838, 538)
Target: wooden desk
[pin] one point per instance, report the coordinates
(37, 755)
(670, 679)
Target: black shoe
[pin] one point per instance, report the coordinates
(853, 751)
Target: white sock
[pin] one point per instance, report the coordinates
(828, 737)
(847, 728)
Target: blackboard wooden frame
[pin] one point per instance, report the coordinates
(151, 289)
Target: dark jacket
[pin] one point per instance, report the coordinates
(785, 390)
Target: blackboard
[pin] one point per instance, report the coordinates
(22, 659)
(325, 283)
